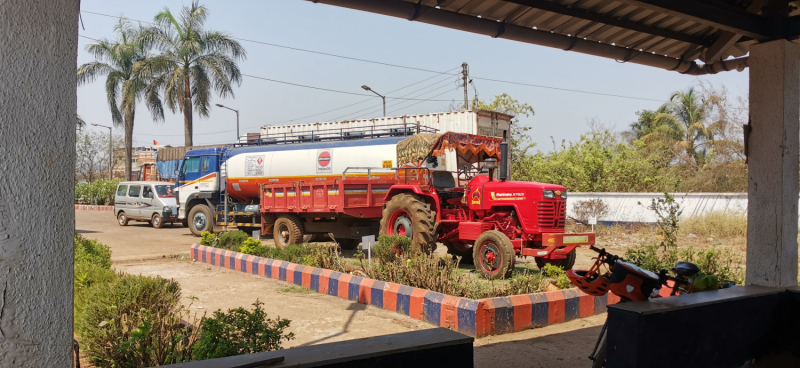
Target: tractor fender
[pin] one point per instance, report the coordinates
(429, 197)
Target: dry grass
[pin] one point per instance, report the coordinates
(716, 225)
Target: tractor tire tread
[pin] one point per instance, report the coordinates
(423, 219)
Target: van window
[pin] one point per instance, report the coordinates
(134, 191)
(204, 166)
(165, 191)
(121, 190)
(147, 192)
(191, 165)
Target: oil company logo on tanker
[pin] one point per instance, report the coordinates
(324, 164)
(507, 196)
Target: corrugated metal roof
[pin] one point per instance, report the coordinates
(682, 30)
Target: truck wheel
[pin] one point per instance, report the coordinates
(348, 243)
(288, 231)
(200, 220)
(566, 264)
(157, 221)
(461, 249)
(494, 255)
(122, 219)
(410, 216)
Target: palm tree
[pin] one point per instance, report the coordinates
(684, 120)
(193, 62)
(79, 123)
(117, 60)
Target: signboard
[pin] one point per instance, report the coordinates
(324, 161)
(592, 220)
(254, 165)
(367, 242)
(387, 164)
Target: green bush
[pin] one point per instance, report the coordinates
(135, 321)
(231, 240)
(558, 275)
(208, 238)
(389, 247)
(722, 263)
(249, 246)
(99, 192)
(92, 266)
(240, 331)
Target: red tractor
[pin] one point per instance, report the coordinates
(484, 218)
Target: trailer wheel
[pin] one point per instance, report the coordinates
(122, 219)
(566, 264)
(494, 255)
(157, 221)
(200, 220)
(288, 231)
(461, 249)
(412, 217)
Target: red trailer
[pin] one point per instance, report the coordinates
(480, 216)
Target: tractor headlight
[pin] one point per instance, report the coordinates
(564, 194)
(549, 194)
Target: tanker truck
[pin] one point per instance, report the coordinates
(213, 179)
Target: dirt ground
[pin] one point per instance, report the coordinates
(141, 249)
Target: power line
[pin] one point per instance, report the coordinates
(419, 69)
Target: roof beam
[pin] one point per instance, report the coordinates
(727, 39)
(713, 14)
(586, 14)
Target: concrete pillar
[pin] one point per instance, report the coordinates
(773, 164)
(38, 51)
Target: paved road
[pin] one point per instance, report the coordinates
(137, 241)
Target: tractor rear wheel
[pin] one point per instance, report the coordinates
(493, 255)
(410, 216)
(566, 263)
(461, 249)
(288, 231)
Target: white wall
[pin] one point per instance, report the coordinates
(626, 207)
(38, 54)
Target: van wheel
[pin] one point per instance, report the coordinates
(122, 219)
(288, 231)
(157, 221)
(200, 220)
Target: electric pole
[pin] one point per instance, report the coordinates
(465, 77)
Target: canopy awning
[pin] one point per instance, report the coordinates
(415, 149)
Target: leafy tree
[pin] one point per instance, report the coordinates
(519, 141)
(91, 156)
(117, 60)
(684, 118)
(194, 61)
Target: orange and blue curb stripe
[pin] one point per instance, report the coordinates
(490, 316)
(93, 207)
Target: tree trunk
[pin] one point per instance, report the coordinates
(128, 144)
(187, 113)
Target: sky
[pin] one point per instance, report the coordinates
(559, 115)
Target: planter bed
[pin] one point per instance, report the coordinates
(490, 316)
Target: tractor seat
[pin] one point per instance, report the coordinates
(445, 185)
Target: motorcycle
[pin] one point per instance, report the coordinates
(631, 283)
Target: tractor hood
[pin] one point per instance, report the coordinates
(523, 191)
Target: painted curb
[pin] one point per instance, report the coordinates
(492, 316)
(93, 207)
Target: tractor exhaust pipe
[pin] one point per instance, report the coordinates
(504, 161)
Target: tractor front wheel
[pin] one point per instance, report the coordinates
(493, 255)
(410, 216)
(461, 249)
(565, 264)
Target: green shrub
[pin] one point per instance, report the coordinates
(99, 192)
(208, 238)
(558, 275)
(239, 331)
(135, 321)
(389, 248)
(92, 266)
(231, 240)
(722, 263)
(249, 246)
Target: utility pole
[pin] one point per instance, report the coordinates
(237, 120)
(465, 77)
(366, 88)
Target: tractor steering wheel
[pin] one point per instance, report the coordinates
(467, 172)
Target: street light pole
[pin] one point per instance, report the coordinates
(379, 95)
(237, 119)
(110, 151)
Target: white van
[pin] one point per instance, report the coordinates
(150, 201)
